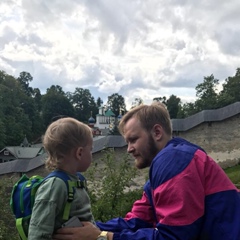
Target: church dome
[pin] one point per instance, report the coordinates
(91, 120)
(119, 116)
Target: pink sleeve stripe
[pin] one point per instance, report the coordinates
(215, 178)
(141, 209)
(180, 200)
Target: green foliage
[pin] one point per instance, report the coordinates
(19, 115)
(234, 174)
(161, 99)
(17, 127)
(173, 106)
(99, 102)
(117, 104)
(25, 112)
(231, 89)
(2, 135)
(7, 221)
(84, 104)
(55, 103)
(137, 102)
(113, 130)
(15, 121)
(207, 94)
(109, 189)
(24, 79)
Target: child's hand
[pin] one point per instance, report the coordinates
(87, 232)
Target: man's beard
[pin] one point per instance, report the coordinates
(152, 147)
(152, 152)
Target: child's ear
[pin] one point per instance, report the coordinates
(79, 152)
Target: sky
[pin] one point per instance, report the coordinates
(136, 48)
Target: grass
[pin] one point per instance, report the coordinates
(234, 174)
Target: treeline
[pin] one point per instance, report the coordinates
(207, 96)
(24, 111)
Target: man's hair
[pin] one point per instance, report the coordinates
(61, 137)
(149, 115)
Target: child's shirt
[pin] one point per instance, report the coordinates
(51, 197)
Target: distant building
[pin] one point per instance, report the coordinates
(24, 151)
(95, 130)
(104, 118)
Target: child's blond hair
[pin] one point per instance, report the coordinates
(61, 137)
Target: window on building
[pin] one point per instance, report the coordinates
(6, 153)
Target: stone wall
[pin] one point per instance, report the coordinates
(119, 154)
(221, 140)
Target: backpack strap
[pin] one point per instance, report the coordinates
(71, 185)
(19, 226)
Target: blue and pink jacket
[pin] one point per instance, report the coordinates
(187, 197)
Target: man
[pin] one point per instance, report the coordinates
(188, 196)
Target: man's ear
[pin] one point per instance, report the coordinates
(157, 132)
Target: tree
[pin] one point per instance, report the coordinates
(99, 102)
(2, 127)
(36, 118)
(206, 93)
(173, 106)
(55, 104)
(30, 108)
(17, 125)
(31, 104)
(237, 72)
(113, 130)
(231, 90)
(15, 121)
(2, 133)
(24, 79)
(37, 98)
(84, 104)
(186, 110)
(137, 102)
(117, 104)
(116, 175)
(161, 99)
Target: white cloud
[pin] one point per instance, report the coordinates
(137, 48)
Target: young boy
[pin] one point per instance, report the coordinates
(68, 143)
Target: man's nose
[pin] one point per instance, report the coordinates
(130, 148)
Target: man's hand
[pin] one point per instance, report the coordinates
(87, 232)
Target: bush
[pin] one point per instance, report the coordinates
(110, 192)
(7, 222)
(234, 174)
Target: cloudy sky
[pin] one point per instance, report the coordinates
(136, 48)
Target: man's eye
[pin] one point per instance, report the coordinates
(133, 140)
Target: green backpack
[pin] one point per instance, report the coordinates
(23, 197)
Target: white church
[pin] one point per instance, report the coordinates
(105, 119)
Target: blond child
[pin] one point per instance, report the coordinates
(68, 143)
